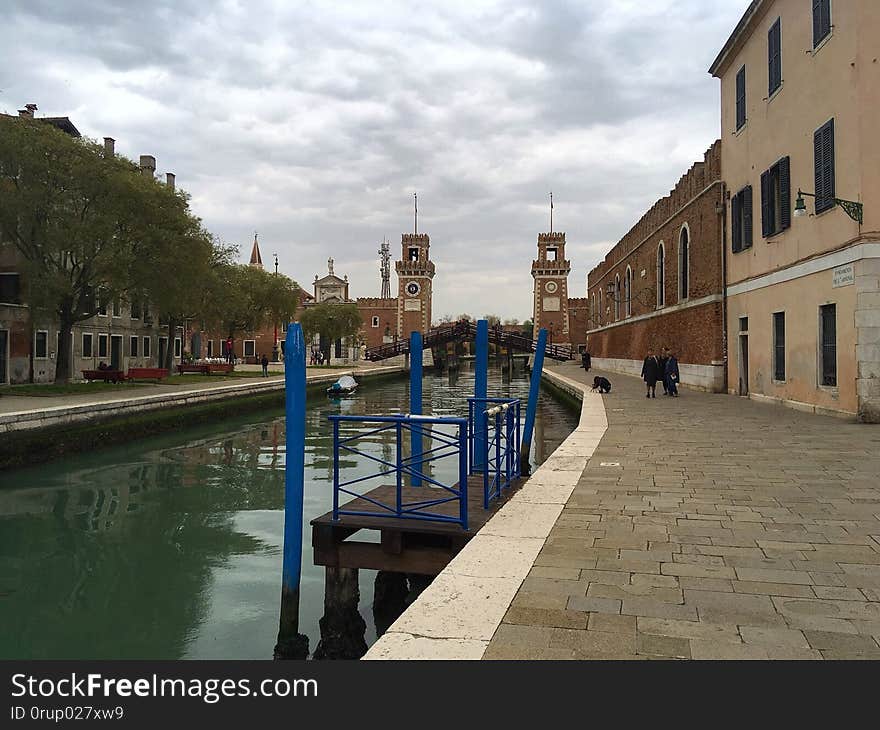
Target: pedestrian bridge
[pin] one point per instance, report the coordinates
(460, 331)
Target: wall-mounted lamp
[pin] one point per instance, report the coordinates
(853, 209)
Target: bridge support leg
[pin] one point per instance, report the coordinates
(291, 644)
(389, 599)
(342, 626)
(415, 402)
(532, 408)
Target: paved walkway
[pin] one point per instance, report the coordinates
(18, 404)
(709, 527)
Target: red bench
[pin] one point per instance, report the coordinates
(147, 373)
(108, 376)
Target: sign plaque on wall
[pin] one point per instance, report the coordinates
(844, 276)
(412, 305)
(551, 304)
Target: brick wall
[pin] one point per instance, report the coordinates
(578, 321)
(385, 310)
(695, 329)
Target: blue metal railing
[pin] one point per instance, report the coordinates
(425, 500)
(495, 440)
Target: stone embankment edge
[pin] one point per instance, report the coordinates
(101, 410)
(457, 615)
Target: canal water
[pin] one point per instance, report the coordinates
(170, 547)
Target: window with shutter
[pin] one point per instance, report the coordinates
(774, 53)
(779, 346)
(821, 21)
(823, 150)
(741, 214)
(741, 98)
(776, 198)
(828, 346)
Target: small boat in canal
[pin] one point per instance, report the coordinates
(346, 385)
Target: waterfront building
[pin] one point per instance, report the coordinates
(800, 91)
(662, 285)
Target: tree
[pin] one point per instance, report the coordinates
(244, 298)
(173, 263)
(493, 319)
(73, 216)
(331, 322)
(528, 329)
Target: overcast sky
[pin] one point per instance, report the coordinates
(314, 122)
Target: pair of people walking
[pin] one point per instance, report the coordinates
(662, 368)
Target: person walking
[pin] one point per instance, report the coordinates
(651, 373)
(663, 359)
(672, 375)
(264, 361)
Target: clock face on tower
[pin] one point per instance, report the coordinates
(550, 287)
(413, 289)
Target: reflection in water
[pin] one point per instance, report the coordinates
(170, 547)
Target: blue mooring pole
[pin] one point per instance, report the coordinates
(415, 401)
(291, 644)
(534, 390)
(481, 389)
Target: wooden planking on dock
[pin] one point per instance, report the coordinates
(406, 545)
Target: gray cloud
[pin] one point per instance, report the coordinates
(314, 122)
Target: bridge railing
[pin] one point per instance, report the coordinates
(494, 435)
(380, 440)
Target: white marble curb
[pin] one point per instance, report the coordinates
(90, 410)
(457, 615)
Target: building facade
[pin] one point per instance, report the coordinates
(550, 289)
(662, 285)
(800, 89)
(385, 319)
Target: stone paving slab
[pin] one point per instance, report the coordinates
(707, 527)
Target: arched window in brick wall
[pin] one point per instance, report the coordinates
(684, 262)
(617, 298)
(661, 275)
(627, 292)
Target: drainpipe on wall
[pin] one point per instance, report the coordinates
(724, 350)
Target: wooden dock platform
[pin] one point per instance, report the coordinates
(406, 545)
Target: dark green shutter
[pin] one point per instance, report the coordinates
(766, 224)
(741, 98)
(823, 151)
(774, 53)
(747, 217)
(736, 223)
(785, 193)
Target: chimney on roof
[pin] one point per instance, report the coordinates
(28, 111)
(169, 180)
(148, 165)
(109, 147)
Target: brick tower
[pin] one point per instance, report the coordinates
(415, 272)
(550, 272)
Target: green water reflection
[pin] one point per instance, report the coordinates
(170, 547)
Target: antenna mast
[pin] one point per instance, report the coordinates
(385, 267)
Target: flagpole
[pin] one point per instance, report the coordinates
(416, 205)
(551, 211)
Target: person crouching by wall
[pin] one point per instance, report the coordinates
(651, 373)
(672, 375)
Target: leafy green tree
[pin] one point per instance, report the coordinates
(332, 322)
(73, 215)
(528, 328)
(244, 298)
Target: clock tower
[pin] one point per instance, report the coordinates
(415, 274)
(550, 303)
